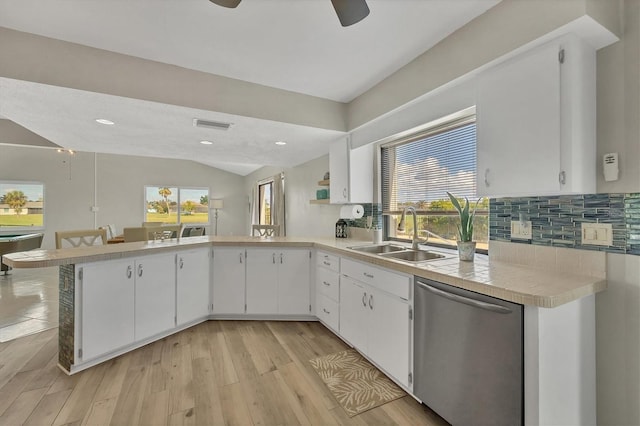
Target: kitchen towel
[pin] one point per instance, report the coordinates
(355, 211)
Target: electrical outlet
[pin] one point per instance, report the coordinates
(597, 234)
(521, 229)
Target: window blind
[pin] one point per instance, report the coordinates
(421, 168)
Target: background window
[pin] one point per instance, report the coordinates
(21, 205)
(176, 205)
(265, 201)
(419, 170)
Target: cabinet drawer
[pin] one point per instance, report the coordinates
(382, 279)
(329, 261)
(327, 283)
(327, 311)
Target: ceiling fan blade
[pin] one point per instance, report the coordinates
(350, 11)
(227, 3)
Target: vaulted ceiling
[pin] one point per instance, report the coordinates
(291, 51)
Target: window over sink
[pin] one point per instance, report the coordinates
(420, 167)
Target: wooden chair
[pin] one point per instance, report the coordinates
(86, 237)
(265, 230)
(139, 233)
(197, 231)
(111, 231)
(146, 233)
(164, 231)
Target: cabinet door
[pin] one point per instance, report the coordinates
(518, 125)
(339, 172)
(353, 312)
(107, 311)
(192, 291)
(228, 281)
(262, 281)
(293, 281)
(389, 327)
(155, 300)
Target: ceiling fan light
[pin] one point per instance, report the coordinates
(232, 4)
(350, 11)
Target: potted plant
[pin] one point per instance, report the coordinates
(466, 245)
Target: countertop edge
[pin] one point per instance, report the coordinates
(47, 258)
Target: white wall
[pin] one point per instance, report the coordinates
(301, 183)
(618, 343)
(120, 180)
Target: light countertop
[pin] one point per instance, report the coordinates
(527, 285)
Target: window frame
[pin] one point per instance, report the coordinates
(441, 125)
(9, 230)
(179, 214)
(263, 183)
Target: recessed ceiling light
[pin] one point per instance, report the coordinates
(281, 143)
(206, 143)
(105, 121)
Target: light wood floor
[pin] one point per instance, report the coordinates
(218, 372)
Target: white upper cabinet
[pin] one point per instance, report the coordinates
(351, 173)
(536, 122)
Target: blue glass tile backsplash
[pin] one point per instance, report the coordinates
(556, 220)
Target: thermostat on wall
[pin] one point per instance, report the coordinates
(610, 166)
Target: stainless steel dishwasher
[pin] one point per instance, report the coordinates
(468, 355)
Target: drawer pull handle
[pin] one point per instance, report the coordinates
(326, 283)
(326, 263)
(368, 275)
(326, 312)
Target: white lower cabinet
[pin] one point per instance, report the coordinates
(155, 298)
(278, 281)
(388, 334)
(262, 281)
(377, 322)
(328, 290)
(192, 285)
(228, 280)
(294, 282)
(124, 301)
(353, 312)
(106, 292)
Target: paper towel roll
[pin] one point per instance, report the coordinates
(355, 211)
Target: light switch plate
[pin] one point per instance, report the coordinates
(597, 234)
(521, 230)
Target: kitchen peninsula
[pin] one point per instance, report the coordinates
(173, 284)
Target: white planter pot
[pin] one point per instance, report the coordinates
(466, 250)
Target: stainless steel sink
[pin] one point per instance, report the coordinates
(414, 255)
(378, 248)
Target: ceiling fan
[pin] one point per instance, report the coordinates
(349, 11)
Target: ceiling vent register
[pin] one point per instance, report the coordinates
(218, 125)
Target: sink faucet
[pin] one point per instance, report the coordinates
(401, 227)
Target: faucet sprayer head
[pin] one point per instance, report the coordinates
(401, 224)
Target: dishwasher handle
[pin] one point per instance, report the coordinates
(467, 301)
